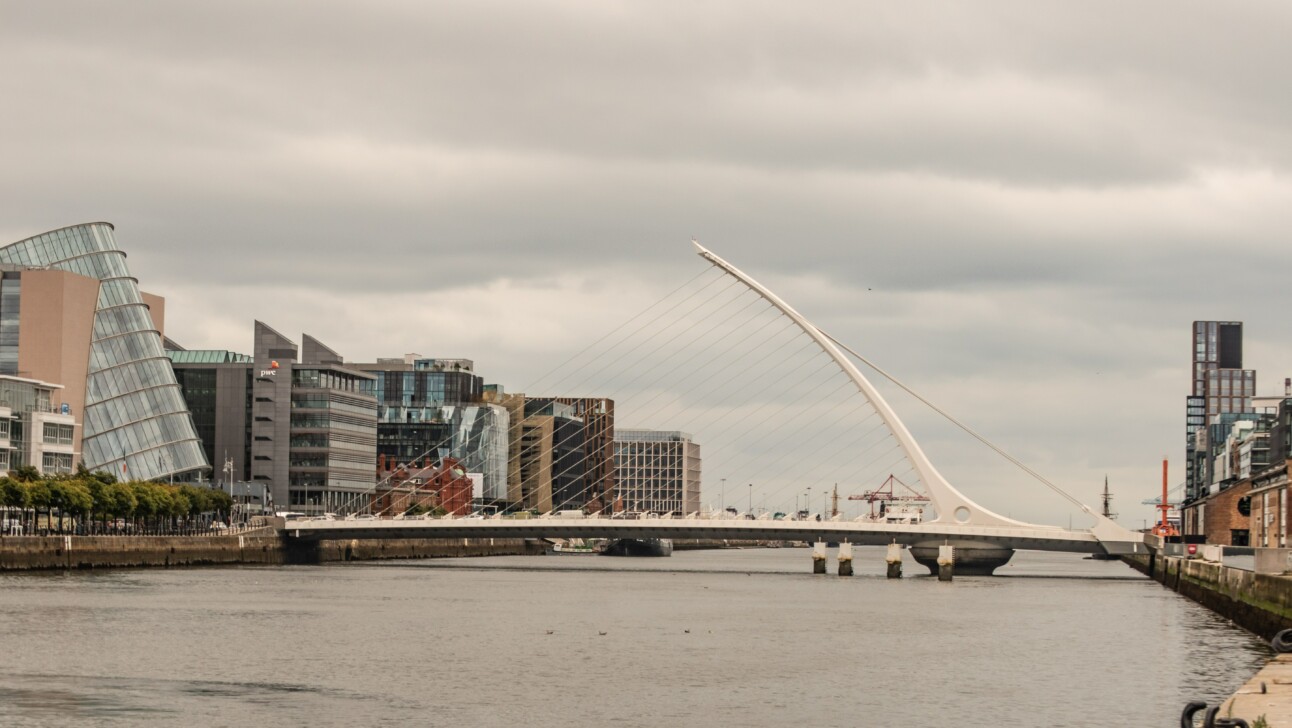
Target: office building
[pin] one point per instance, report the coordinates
(33, 429)
(657, 471)
(299, 420)
(1220, 386)
(72, 314)
(435, 408)
(584, 482)
(546, 463)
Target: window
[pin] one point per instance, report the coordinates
(57, 462)
(56, 434)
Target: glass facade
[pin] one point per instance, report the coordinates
(10, 298)
(480, 435)
(332, 437)
(432, 408)
(658, 471)
(136, 424)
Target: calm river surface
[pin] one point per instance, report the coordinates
(710, 638)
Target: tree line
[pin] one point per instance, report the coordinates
(97, 502)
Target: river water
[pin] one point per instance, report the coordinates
(709, 638)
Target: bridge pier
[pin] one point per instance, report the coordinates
(946, 562)
(845, 559)
(894, 560)
(972, 558)
(818, 557)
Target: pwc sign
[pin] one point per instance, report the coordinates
(271, 371)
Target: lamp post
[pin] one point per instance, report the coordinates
(807, 502)
(751, 499)
(723, 501)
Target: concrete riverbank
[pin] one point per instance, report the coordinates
(1260, 603)
(263, 546)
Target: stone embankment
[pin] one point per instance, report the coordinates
(261, 546)
(1259, 602)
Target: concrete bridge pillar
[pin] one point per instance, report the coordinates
(845, 559)
(971, 558)
(946, 562)
(818, 557)
(894, 560)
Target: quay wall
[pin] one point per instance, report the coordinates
(264, 546)
(703, 544)
(1260, 603)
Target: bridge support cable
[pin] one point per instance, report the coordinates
(744, 357)
(966, 428)
(757, 349)
(713, 437)
(639, 411)
(948, 502)
(724, 286)
(1105, 527)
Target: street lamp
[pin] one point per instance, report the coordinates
(723, 501)
(751, 499)
(807, 502)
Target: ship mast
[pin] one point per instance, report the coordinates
(1108, 502)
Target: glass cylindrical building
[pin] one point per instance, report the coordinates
(136, 424)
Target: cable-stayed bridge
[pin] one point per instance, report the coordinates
(983, 539)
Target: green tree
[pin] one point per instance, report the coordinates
(123, 504)
(77, 501)
(42, 498)
(147, 501)
(26, 474)
(221, 503)
(14, 494)
(57, 498)
(101, 496)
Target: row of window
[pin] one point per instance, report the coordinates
(131, 377)
(173, 458)
(137, 437)
(57, 462)
(58, 434)
(113, 321)
(324, 379)
(132, 407)
(338, 420)
(102, 265)
(60, 245)
(128, 347)
(10, 304)
(333, 403)
(118, 292)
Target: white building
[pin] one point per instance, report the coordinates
(31, 431)
(657, 471)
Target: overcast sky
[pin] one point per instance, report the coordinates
(1017, 207)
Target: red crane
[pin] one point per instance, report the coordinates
(1164, 528)
(887, 493)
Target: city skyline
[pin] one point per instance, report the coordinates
(1021, 237)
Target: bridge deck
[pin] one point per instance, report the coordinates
(1036, 538)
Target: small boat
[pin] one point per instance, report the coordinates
(580, 547)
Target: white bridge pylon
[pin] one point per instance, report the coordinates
(952, 506)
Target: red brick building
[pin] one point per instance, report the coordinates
(1225, 517)
(408, 487)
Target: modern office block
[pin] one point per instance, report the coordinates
(72, 314)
